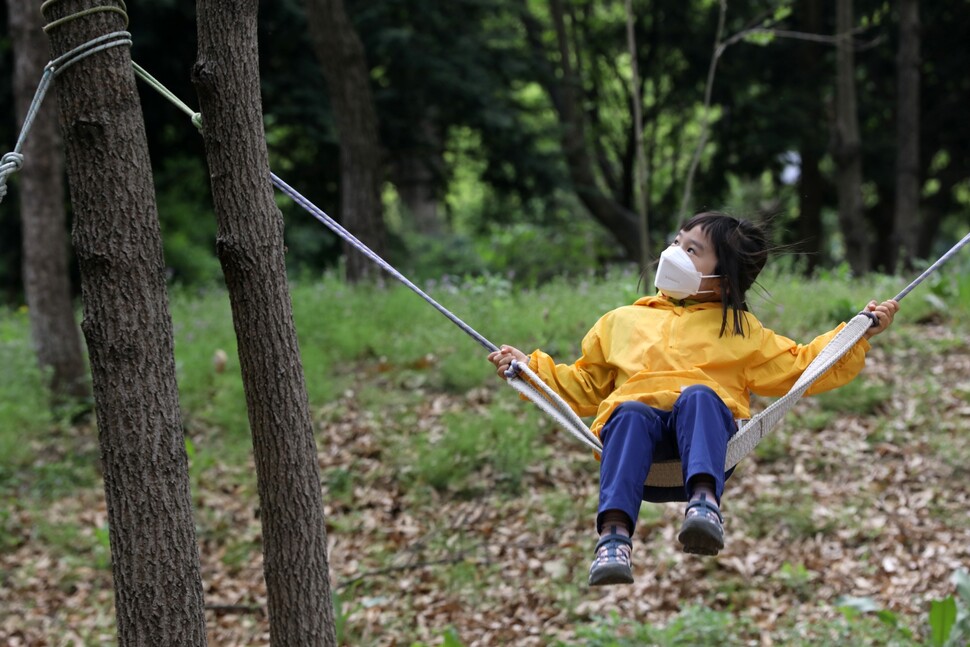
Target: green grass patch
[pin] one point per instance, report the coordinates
(862, 396)
(791, 512)
(499, 444)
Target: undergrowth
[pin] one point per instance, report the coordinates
(409, 353)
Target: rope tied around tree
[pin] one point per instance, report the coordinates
(122, 10)
(13, 161)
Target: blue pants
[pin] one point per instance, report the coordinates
(696, 432)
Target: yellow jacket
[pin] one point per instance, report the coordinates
(651, 350)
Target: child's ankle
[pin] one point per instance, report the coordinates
(702, 485)
(616, 523)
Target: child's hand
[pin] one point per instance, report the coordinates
(503, 357)
(884, 312)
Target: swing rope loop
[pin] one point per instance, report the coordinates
(122, 10)
(13, 161)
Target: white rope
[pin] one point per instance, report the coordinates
(551, 403)
(754, 430)
(751, 431)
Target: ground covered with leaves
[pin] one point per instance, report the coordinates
(467, 519)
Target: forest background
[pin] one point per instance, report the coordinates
(481, 167)
(511, 164)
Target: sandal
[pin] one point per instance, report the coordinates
(612, 563)
(702, 532)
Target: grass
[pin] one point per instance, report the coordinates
(398, 356)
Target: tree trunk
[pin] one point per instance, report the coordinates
(416, 176)
(808, 234)
(250, 248)
(847, 147)
(906, 217)
(47, 285)
(128, 329)
(642, 182)
(344, 65)
(562, 85)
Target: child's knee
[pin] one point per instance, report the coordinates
(698, 391)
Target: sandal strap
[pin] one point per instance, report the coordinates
(605, 539)
(707, 505)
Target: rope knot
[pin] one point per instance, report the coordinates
(10, 163)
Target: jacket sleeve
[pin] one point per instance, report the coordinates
(782, 361)
(584, 384)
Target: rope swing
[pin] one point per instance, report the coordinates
(520, 377)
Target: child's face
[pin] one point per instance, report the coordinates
(698, 246)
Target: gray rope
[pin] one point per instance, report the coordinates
(667, 473)
(932, 268)
(338, 229)
(13, 161)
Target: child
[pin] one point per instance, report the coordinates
(668, 376)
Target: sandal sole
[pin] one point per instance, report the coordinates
(611, 574)
(701, 537)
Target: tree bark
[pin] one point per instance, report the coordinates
(47, 285)
(906, 217)
(847, 147)
(562, 85)
(250, 249)
(128, 329)
(344, 64)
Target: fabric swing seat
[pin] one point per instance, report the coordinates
(750, 431)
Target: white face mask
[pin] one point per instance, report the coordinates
(677, 277)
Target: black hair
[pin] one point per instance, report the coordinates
(742, 251)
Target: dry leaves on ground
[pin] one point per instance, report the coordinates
(869, 505)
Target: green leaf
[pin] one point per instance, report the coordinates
(761, 38)
(943, 614)
(782, 12)
(451, 639)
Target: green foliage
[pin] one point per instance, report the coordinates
(498, 441)
(797, 578)
(88, 546)
(784, 512)
(949, 619)
(861, 396)
(943, 616)
(694, 626)
(346, 329)
(534, 255)
(24, 403)
(188, 222)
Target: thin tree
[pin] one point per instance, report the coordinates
(250, 249)
(344, 63)
(808, 229)
(642, 174)
(847, 145)
(560, 78)
(47, 286)
(906, 218)
(128, 329)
